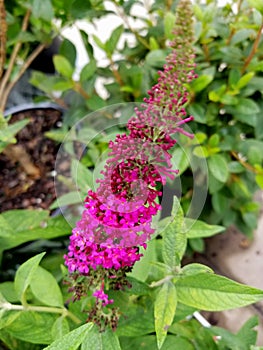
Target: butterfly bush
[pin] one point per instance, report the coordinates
(117, 218)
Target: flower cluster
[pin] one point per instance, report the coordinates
(117, 217)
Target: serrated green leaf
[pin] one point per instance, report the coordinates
(200, 229)
(215, 293)
(218, 167)
(174, 238)
(25, 273)
(45, 288)
(72, 340)
(63, 66)
(164, 311)
(95, 339)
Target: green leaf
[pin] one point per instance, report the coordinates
(28, 225)
(100, 44)
(73, 197)
(45, 288)
(43, 9)
(259, 180)
(95, 339)
(82, 176)
(95, 102)
(195, 268)
(25, 274)
(215, 293)
(72, 340)
(247, 334)
(200, 229)
(242, 35)
(7, 289)
(201, 82)
(197, 244)
(136, 321)
(156, 58)
(7, 317)
(63, 66)
(169, 21)
(60, 328)
(180, 160)
(243, 81)
(257, 4)
(164, 311)
(174, 238)
(218, 167)
(88, 71)
(33, 327)
(68, 50)
(7, 135)
(201, 151)
(246, 106)
(112, 43)
(142, 267)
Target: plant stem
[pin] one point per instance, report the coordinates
(244, 163)
(115, 72)
(3, 30)
(22, 70)
(12, 61)
(254, 49)
(78, 88)
(53, 310)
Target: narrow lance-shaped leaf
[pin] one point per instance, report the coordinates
(164, 311)
(72, 340)
(197, 229)
(174, 238)
(215, 293)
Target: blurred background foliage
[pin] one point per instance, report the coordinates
(225, 100)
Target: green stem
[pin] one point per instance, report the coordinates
(53, 310)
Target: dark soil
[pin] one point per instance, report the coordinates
(18, 188)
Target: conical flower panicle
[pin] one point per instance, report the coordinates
(117, 218)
